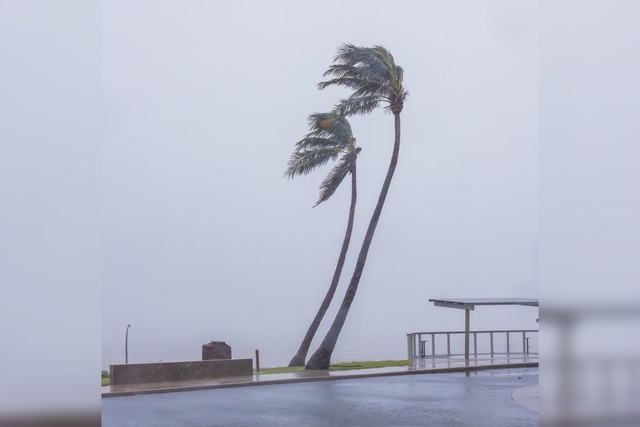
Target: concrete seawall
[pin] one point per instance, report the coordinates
(179, 371)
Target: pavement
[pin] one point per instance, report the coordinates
(486, 397)
(420, 366)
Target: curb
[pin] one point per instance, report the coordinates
(313, 379)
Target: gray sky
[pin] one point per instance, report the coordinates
(187, 246)
(204, 240)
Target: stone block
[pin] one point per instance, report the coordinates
(216, 350)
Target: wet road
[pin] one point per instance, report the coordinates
(454, 399)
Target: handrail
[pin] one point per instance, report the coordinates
(479, 331)
(417, 347)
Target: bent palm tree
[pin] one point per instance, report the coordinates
(330, 137)
(375, 79)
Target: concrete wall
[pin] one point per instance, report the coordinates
(179, 371)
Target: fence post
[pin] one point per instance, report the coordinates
(508, 350)
(433, 345)
(448, 344)
(257, 360)
(475, 344)
(524, 342)
(491, 341)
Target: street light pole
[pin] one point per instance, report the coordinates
(126, 345)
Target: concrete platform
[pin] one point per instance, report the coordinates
(420, 366)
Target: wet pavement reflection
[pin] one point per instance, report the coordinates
(491, 397)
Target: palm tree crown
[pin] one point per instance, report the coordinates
(372, 74)
(330, 137)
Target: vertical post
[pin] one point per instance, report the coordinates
(409, 347)
(524, 342)
(475, 344)
(433, 345)
(126, 345)
(466, 336)
(491, 340)
(448, 344)
(508, 351)
(257, 360)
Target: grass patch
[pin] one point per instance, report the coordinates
(343, 366)
(106, 381)
(281, 370)
(367, 364)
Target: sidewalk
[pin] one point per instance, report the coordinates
(420, 366)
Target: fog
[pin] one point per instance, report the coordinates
(203, 239)
(176, 212)
(589, 233)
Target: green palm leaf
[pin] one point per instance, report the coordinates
(372, 74)
(359, 105)
(337, 175)
(331, 126)
(306, 161)
(330, 136)
(311, 142)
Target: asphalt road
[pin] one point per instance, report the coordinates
(480, 399)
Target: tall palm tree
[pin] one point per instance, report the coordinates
(376, 80)
(330, 137)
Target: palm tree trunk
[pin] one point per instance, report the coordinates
(321, 359)
(301, 355)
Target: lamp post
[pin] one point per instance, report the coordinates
(126, 345)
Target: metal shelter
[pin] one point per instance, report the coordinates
(468, 304)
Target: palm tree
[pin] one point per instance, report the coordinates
(375, 79)
(330, 137)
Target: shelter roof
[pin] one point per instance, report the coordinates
(470, 303)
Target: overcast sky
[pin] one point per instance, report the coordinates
(183, 222)
(203, 239)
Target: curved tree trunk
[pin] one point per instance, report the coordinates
(301, 355)
(322, 357)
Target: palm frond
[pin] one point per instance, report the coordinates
(330, 136)
(364, 85)
(355, 56)
(342, 128)
(322, 121)
(337, 175)
(385, 57)
(313, 142)
(372, 74)
(305, 161)
(399, 71)
(371, 89)
(331, 126)
(358, 105)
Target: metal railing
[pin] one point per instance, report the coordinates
(451, 343)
